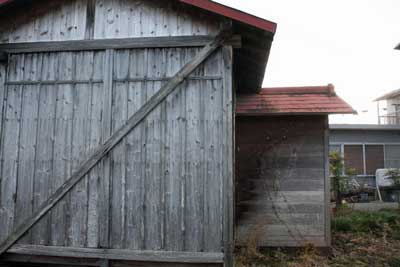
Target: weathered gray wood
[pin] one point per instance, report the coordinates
(194, 167)
(80, 149)
(96, 177)
(63, 147)
(281, 180)
(119, 117)
(134, 152)
(213, 156)
(136, 18)
(43, 171)
(114, 140)
(27, 141)
(174, 156)
(228, 146)
(2, 108)
(104, 202)
(60, 21)
(29, 260)
(141, 79)
(103, 44)
(10, 140)
(327, 180)
(119, 254)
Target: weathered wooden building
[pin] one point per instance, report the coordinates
(282, 166)
(117, 136)
(117, 129)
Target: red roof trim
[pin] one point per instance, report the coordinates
(233, 14)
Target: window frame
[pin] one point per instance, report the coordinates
(364, 157)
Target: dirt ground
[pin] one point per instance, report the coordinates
(359, 239)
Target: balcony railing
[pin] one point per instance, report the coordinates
(390, 119)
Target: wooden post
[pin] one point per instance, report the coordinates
(228, 197)
(327, 184)
(114, 140)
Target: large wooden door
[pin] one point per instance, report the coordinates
(161, 188)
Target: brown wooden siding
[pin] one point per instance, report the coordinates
(280, 180)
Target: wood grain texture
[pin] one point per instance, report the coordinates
(119, 254)
(10, 140)
(122, 18)
(27, 141)
(62, 164)
(281, 180)
(228, 156)
(46, 21)
(81, 218)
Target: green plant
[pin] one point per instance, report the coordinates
(339, 183)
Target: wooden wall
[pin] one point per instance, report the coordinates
(103, 19)
(281, 181)
(168, 185)
(162, 188)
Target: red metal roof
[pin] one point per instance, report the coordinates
(293, 100)
(222, 10)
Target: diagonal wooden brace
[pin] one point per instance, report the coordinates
(104, 149)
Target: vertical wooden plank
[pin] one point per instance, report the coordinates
(96, 175)
(81, 134)
(3, 106)
(134, 150)
(212, 94)
(10, 140)
(62, 148)
(27, 143)
(105, 189)
(153, 239)
(327, 188)
(194, 156)
(44, 149)
(227, 133)
(119, 117)
(175, 110)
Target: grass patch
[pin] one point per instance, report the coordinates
(360, 238)
(364, 222)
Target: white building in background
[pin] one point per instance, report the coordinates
(389, 108)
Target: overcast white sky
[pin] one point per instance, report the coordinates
(345, 42)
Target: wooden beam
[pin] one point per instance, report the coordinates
(125, 43)
(118, 254)
(29, 260)
(228, 196)
(115, 139)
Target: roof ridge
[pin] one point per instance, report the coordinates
(326, 89)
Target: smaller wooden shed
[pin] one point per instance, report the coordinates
(282, 171)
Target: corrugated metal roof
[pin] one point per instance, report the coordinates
(293, 100)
